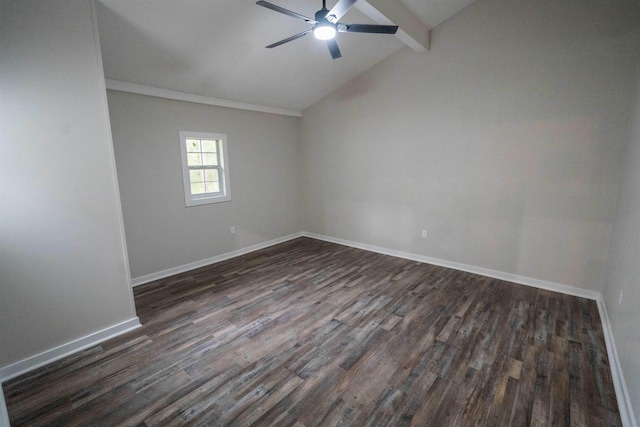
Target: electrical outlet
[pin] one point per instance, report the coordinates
(620, 298)
(424, 234)
(233, 229)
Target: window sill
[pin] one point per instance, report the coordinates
(207, 200)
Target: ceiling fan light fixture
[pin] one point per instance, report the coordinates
(326, 24)
(324, 31)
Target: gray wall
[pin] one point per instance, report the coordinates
(161, 232)
(63, 264)
(623, 272)
(504, 141)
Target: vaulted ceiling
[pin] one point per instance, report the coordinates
(216, 48)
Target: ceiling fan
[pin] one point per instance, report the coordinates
(325, 24)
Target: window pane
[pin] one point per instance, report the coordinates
(210, 159)
(209, 145)
(193, 145)
(194, 159)
(210, 175)
(212, 187)
(196, 175)
(197, 188)
(203, 157)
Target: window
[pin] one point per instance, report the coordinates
(205, 168)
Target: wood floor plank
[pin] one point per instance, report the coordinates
(309, 333)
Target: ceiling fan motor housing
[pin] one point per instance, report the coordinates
(324, 29)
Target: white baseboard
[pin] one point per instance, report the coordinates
(202, 263)
(30, 363)
(529, 281)
(25, 365)
(622, 393)
(509, 277)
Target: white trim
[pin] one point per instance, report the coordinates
(509, 277)
(223, 169)
(30, 363)
(622, 393)
(112, 156)
(208, 261)
(198, 99)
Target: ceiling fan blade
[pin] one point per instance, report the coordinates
(332, 44)
(339, 10)
(286, 11)
(288, 39)
(366, 28)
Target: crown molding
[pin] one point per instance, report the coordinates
(121, 86)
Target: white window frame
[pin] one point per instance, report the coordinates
(223, 169)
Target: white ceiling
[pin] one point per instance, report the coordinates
(216, 48)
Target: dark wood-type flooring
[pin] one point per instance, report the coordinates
(311, 333)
